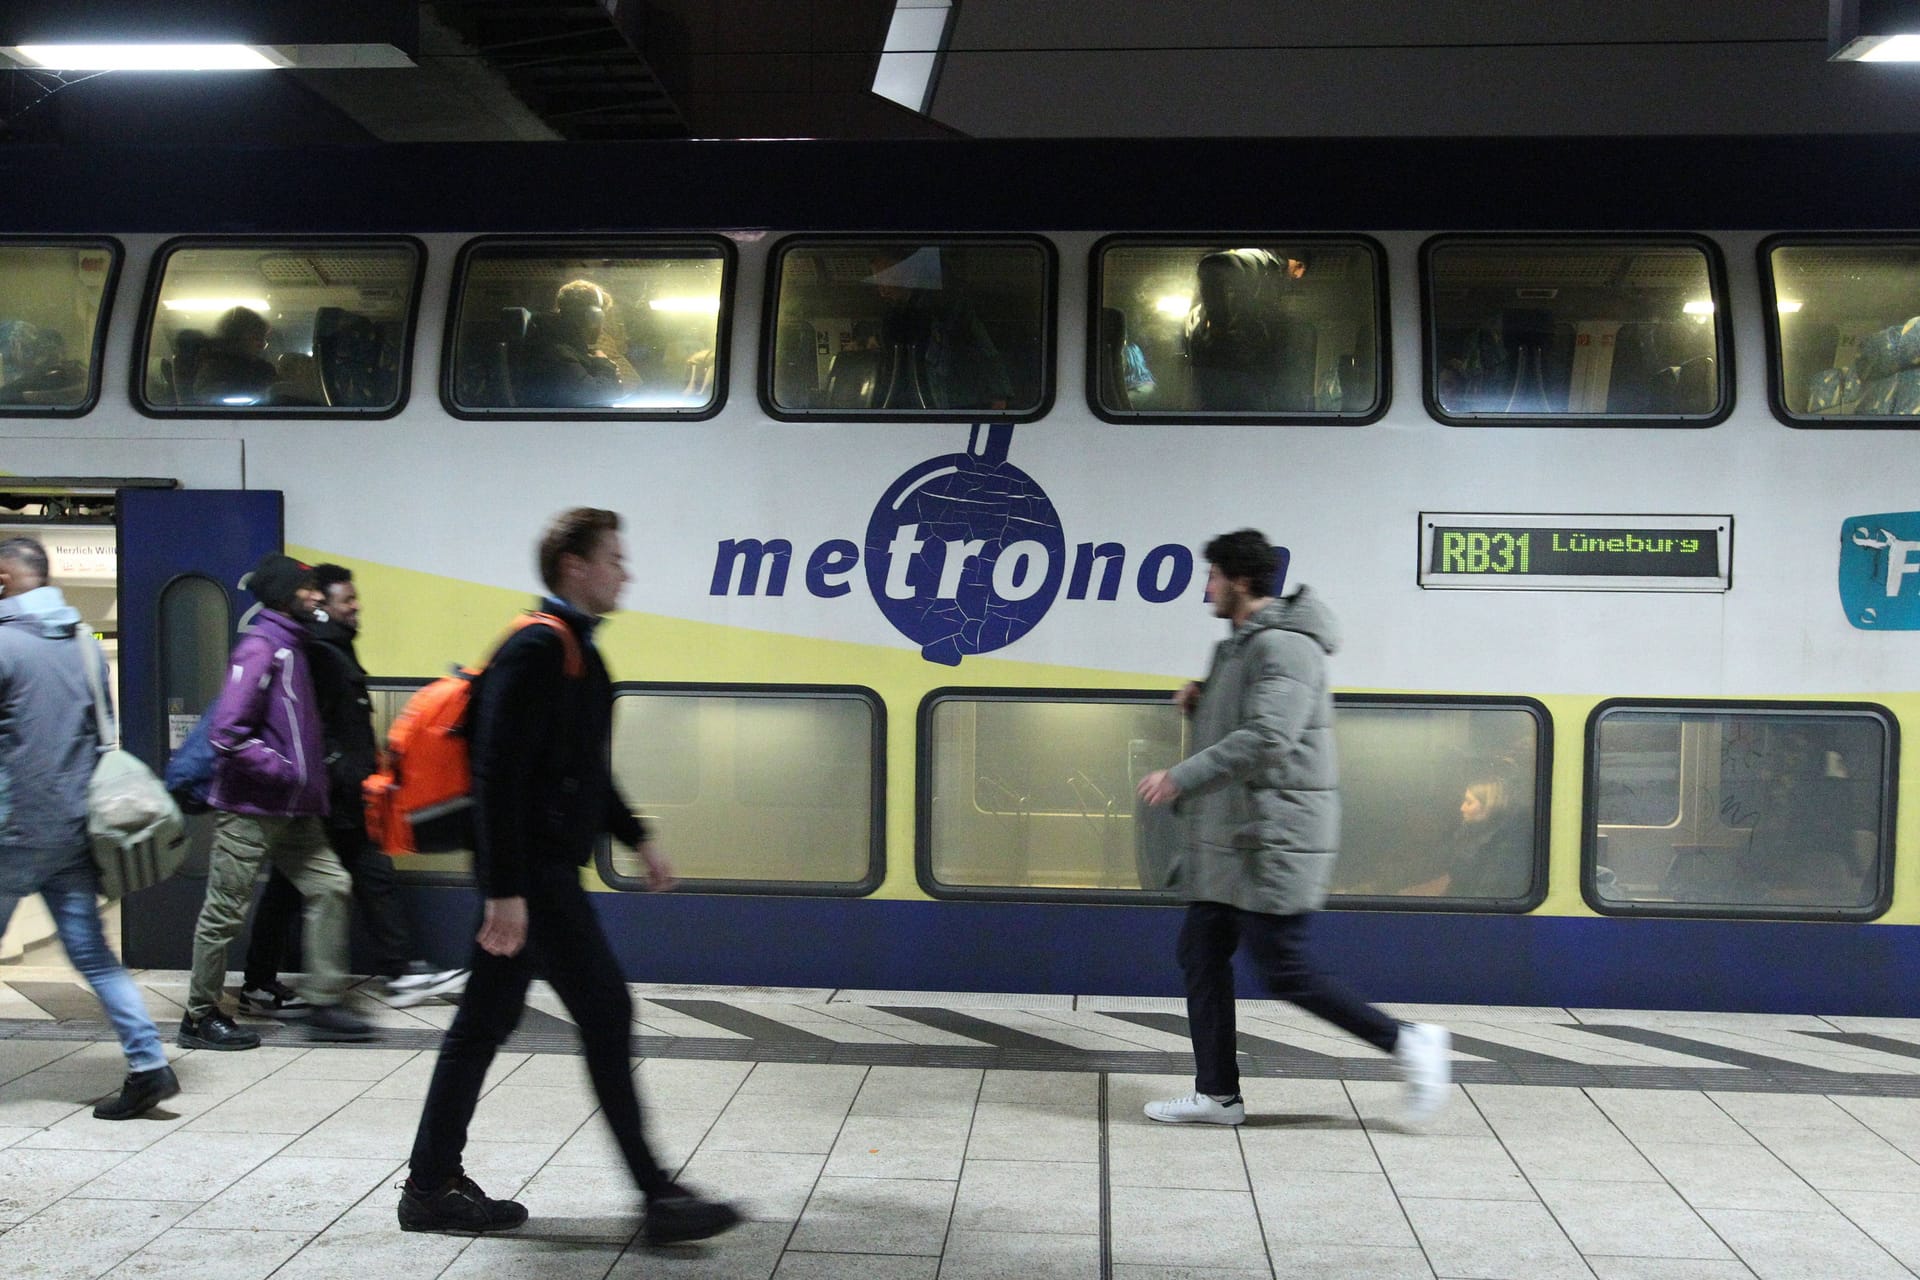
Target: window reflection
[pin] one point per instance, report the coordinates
(1258, 329)
(50, 302)
(282, 327)
(1778, 811)
(1849, 325)
(1530, 330)
(635, 329)
(910, 327)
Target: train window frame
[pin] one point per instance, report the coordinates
(876, 871)
(116, 259)
(1722, 330)
(425, 879)
(1776, 349)
(150, 305)
(607, 246)
(923, 808)
(1383, 335)
(1885, 851)
(1540, 867)
(1049, 325)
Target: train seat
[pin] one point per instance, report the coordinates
(507, 352)
(189, 345)
(857, 380)
(347, 347)
(796, 367)
(296, 381)
(1683, 388)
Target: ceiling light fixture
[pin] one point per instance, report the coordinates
(1873, 31)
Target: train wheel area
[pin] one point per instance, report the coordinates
(940, 1134)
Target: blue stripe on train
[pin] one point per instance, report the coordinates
(1761, 966)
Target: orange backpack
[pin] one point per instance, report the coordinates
(422, 802)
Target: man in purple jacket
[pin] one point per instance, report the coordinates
(270, 793)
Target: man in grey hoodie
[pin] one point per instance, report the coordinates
(49, 744)
(1260, 797)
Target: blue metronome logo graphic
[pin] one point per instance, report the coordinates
(965, 553)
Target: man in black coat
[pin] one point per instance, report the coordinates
(353, 754)
(542, 725)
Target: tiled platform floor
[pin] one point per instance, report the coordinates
(904, 1134)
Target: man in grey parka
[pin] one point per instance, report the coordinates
(1260, 797)
(49, 744)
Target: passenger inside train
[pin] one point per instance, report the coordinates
(562, 361)
(50, 303)
(231, 366)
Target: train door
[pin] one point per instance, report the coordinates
(182, 553)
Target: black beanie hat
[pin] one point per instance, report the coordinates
(275, 579)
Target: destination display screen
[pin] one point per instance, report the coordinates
(1576, 553)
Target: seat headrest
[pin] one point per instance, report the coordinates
(515, 323)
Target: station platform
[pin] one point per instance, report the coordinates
(888, 1135)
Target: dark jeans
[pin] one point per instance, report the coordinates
(1278, 945)
(567, 947)
(271, 938)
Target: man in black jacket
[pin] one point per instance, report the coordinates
(346, 716)
(542, 722)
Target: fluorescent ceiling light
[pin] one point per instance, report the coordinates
(215, 304)
(1788, 306)
(144, 57)
(1901, 48)
(710, 305)
(910, 58)
(1699, 307)
(1174, 304)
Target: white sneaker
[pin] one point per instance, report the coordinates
(1424, 1054)
(415, 986)
(1197, 1108)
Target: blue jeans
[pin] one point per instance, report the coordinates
(69, 895)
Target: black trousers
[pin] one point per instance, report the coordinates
(1278, 946)
(566, 945)
(270, 940)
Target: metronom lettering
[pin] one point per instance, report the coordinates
(755, 566)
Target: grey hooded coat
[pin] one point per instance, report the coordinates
(49, 744)
(1259, 794)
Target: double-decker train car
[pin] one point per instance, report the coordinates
(1601, 453)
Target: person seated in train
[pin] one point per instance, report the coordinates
(1236, 337)
(1491, 850)
(1802, 813)
(563, 363)
(232, 367)
(932, 323)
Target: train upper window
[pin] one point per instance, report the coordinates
(1031, 795)
(627, 330)
(1575, 331)
(1741, 811)
(1246, 329)
(760, 789)
(1846, 324)
(289, 327)
(910, 329)
(53, 299)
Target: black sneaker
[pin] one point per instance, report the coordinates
(331, 1022)
(143, 1091)
(459, 1207)
(215, 1031)
(273, 999)
(681, 1216)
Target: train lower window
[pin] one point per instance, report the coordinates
(1845, 322)
(1575, 331)
(53, 299)
(631, 330)
(1443, 803)
(1782, 811)
(906, 329)
(1245, 329)
(1031, 795)
(776, 789)
(300, 328)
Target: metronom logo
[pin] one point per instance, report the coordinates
(964, 554)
